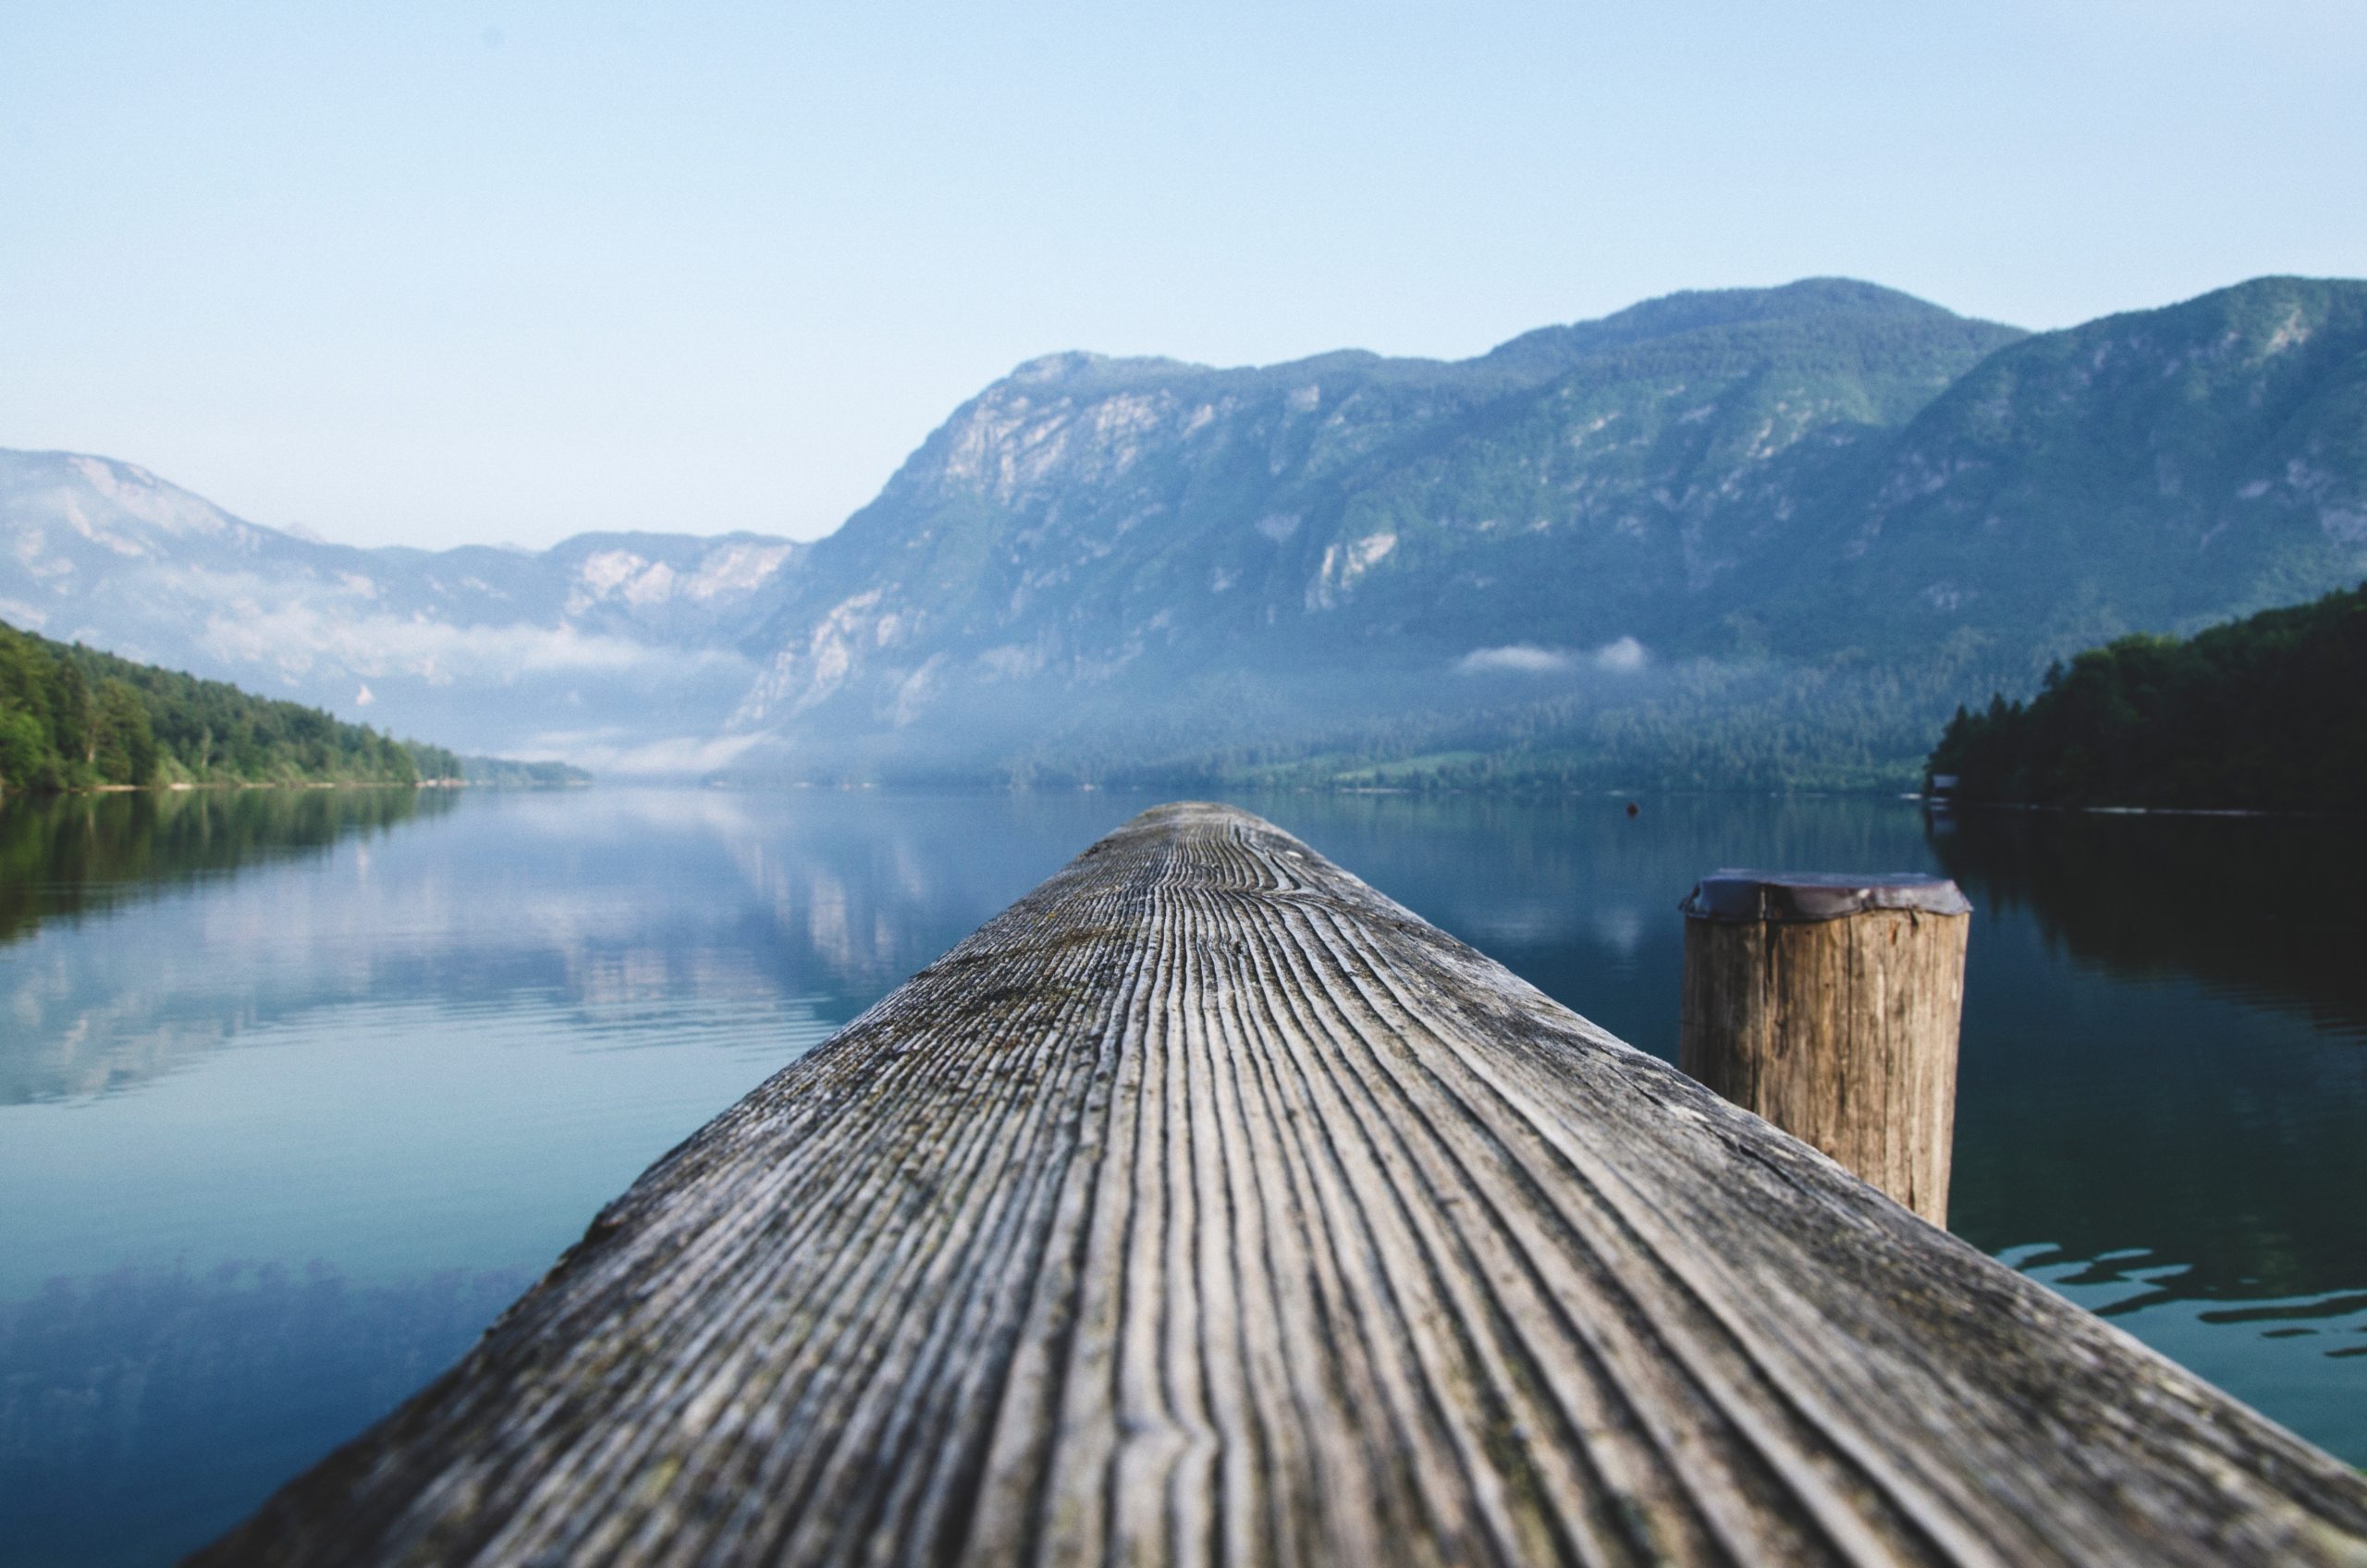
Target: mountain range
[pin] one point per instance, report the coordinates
(1752, 537)
(622, 649)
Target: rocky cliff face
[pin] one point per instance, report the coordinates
(1092, 527)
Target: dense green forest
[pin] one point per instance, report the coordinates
(2268, 713)
(74, 719)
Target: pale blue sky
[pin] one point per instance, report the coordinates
(434, 274)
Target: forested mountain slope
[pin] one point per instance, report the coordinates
(2152, 471)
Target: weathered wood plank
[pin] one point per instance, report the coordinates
(1207, 1207)
(1830, 1006)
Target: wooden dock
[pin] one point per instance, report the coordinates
(1205, 1207)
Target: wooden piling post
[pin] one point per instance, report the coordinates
(1205, 1207)
(1829, 1005)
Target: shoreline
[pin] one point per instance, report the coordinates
(1950, 803)
(184, 786)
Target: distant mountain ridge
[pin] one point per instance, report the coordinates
(1098, 522)
(1751, 536)
(604, 643)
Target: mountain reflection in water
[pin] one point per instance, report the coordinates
(298, 1088)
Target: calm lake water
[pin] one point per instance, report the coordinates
(299, 1089)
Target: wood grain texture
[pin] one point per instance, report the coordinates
(1207, 1208)
(1841, 1032)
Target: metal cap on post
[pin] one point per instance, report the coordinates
(1828, 1003)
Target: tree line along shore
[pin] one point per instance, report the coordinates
(73, 718)
(2264, 713)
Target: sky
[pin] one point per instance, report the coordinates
(437, 275)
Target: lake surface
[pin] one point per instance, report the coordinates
(298, 1089)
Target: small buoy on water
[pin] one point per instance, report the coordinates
(1635, 810)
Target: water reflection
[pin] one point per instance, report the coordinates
(60, 855)
(2205, 1106)
(639, 917)
(2263, 910)
(2163, 1103)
